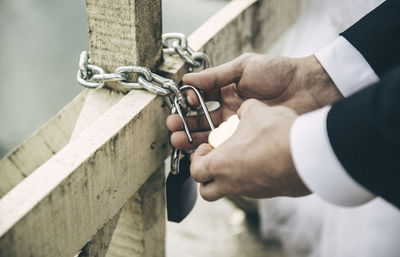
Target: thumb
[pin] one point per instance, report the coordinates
(200, 166)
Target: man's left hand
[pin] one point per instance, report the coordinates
(255, 161)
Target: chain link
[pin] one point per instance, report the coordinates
(176, 43)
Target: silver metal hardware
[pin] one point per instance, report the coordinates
(88, 82)
(202, 59)
(212, 106)
(202, 104)
(108, 77)
(169, 38)
(145, 84)
(182, 115)
(125, 70)
(173, 87)
(175, 158)
(93, 76)
(176, 43)
(83, 64)
(176, 154)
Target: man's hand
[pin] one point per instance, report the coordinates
(255, 161)
(299, 83)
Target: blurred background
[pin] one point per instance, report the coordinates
(40, 43)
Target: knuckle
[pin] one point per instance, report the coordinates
(246, 56)
(210, 166)
(208, 195)
(194, 170)
(226, 189)
(199, 140)
(283, 110)
(248, 105)
(244, 59)
(204, 193)
(250, 102)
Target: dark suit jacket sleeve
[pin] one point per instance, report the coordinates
(377, 37)
(364, 131)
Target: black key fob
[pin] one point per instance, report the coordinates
(181, 188)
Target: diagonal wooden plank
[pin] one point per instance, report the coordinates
(87, 182)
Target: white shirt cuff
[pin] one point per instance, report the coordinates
(346, 66)
(317, 164)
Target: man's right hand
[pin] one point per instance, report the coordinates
(299, 83)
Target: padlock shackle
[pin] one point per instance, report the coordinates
(202, 103)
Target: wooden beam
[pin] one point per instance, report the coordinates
(98, 245)
(131, 39)
(124, 32)
(141, 227)
(97, 103)
(86, 183)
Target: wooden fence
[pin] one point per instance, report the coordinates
(90, 182)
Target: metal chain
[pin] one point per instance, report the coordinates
(92, 76)
(176, 43)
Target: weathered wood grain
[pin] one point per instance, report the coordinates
(128, 34)
(98, 245)
(124, 32)
(141, 227)
(87, 182)
(96, 103)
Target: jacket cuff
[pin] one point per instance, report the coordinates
(317, 164)
(346, 66)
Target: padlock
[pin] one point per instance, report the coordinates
(181, 188)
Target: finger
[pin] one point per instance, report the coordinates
(196, 123)
(210, 191)
(199, 168)
(193, 100)
(180, 140)
(246, 106)
(212, 95)
(218, 76)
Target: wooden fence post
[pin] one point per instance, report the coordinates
(124, 32)
(141, 227)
